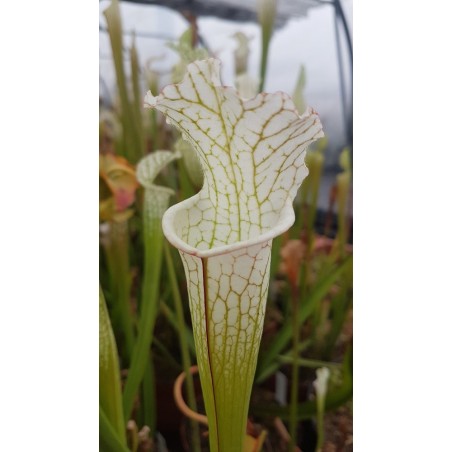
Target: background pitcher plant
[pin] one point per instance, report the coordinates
(252, 154)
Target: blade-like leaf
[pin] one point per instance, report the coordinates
(109, 377)
(109, 440)
(132, 146)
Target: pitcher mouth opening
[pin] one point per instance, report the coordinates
(285, 221)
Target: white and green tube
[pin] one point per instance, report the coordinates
(252, 154)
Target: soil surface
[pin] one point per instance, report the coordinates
(339, 430)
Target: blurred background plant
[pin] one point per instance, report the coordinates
(145, 332)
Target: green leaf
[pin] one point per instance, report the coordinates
(344, 159)
(132, 146)
(186, 331)
(266, 12)
(109, 441)
(307, 306)
(298, 97)
(137, 103)
(109, 376)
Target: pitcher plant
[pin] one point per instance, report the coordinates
(252, 155)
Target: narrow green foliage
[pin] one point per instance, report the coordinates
(113, 18)
(266, 11)
(293, 422)
(305, 362)
(187, 332)
(117, 252)
(314, 162)
(109, 377)
(149, 396)
(309, 191)
(343, 192)
(282, 359)
(305, 310)
(166, 355)
(131, 136)
(152, 131)
(109, 441)
(298, 97)
(153, 241)
(137, 101)
(340, 308)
